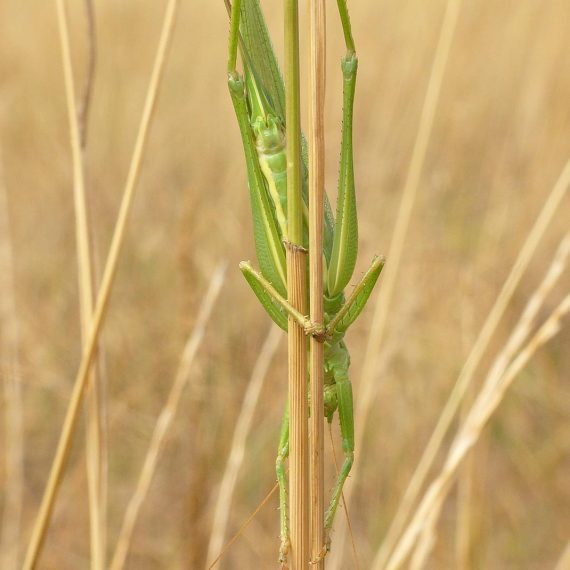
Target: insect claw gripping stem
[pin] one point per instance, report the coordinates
(321, 556)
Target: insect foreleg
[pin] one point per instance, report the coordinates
(282, 454)
(356, 301)
(275, 304)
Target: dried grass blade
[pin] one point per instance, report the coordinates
(165, 420)
(507, 365)
(94, 440)
(419, 476)
(237, 451)
(72, 414)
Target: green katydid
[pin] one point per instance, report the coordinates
(259, 103)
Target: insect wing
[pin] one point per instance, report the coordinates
(264, 66)
(269, 249)
(261, 55)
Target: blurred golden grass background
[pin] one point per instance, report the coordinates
(499, 143)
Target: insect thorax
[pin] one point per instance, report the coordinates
(332, 305)
(270, 144)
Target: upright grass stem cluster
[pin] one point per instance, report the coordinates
(69, 426)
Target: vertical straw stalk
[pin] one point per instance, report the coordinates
(296, 291)
(64, 443)
(77, 132)
(317, 85)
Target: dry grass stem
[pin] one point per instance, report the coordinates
(499, 378)
(237, 450)
(465, 490)
(297, 296)
(96, 401)
(426, 540)
(298, 409)
(13, 486)
(87, 94)
(165, 419)
(70, 421)
(467, 372)
(526, 322)
(384, 300)
(317, 84)
(466, 478)
(94, 452)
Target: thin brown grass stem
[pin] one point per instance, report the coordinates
(165, 419)
(467, 372)
(465, 488)
(87, 93)
(507, 365)
(94, 452)
(237, 451)
(317, 85)
(72, 414)
(384, 300)
(13, 485)
(97, 451)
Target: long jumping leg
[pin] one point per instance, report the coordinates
(345, 248)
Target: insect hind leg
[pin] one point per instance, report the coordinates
(346, 418)
(282, 454)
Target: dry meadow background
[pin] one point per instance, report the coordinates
(500, 140)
